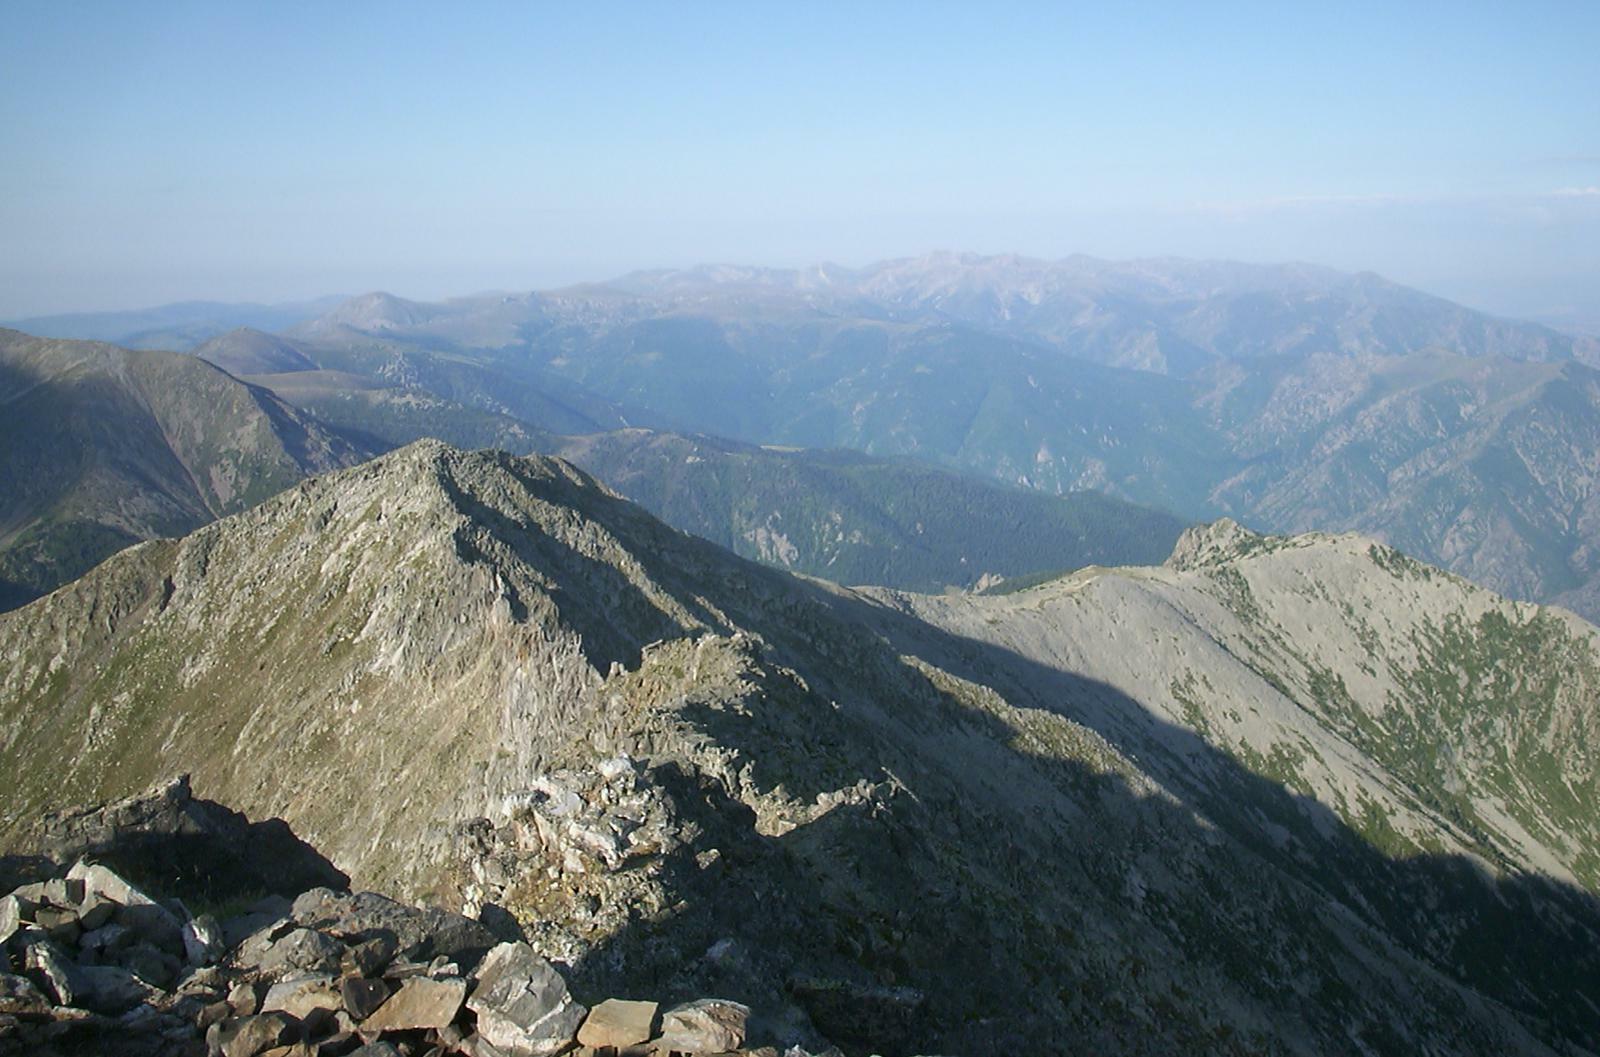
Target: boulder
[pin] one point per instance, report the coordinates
(202, 940)
(369, 956)
(456, 936)
(362, 997)
(205, 980)
(419, 1003)
(249, 1036)
(522, 1003)
(418, 933)
(62, 925)
(111, 989)
(301, 950)
(105, 883)
(361, 914)
(152, 923)
(302, 997)
(20, 998)
(244, 998)
(31, 894)
(155, 967)
(618, 1022)
(214, 1013)
(103, 943)
(95, 910)
(12, 913)
(707, 1025)
(64, 892)
(59, 974)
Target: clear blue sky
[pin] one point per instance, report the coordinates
(266, 151)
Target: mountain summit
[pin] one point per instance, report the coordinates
(1143, 809)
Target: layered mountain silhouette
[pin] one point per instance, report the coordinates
(1289, 397)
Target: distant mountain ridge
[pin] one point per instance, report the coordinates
(246, 351)
(857, 520)
(835, 514)
(102, 446)
(1169, 315)
(1292, 397)
(178, 327)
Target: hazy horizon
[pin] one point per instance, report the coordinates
(182, 152)
(1586, 325)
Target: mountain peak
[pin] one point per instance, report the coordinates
(246, 351)
(475, 633)
(1213, 544)
(377, 311)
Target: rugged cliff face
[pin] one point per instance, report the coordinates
(1272, 797)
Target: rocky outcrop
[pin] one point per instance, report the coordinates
(89, 962)
(168, 832)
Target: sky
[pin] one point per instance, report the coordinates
(160, 152)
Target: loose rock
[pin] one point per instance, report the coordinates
(303, 997)
(248, 1036)
(419, 1003)
(709, 1025)
(617, 1022)
(61, 977)
(522, 1003)
(303, 950)
(370, 956)
(362, 997)
(202, 940)
(19, 998)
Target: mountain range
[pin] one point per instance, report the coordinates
(108, 447)
(1346, 403)
(179, 326)
(1277, 795)
(1152, 786)
(1288, 397)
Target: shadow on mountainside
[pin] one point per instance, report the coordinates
(1025, 895)
(607, 596)
(1526, 941)
(192, 849)
(1035, 897)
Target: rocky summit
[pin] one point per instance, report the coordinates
(90, 963)
(1281, 795)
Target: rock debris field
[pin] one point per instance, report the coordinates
(95, 964)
